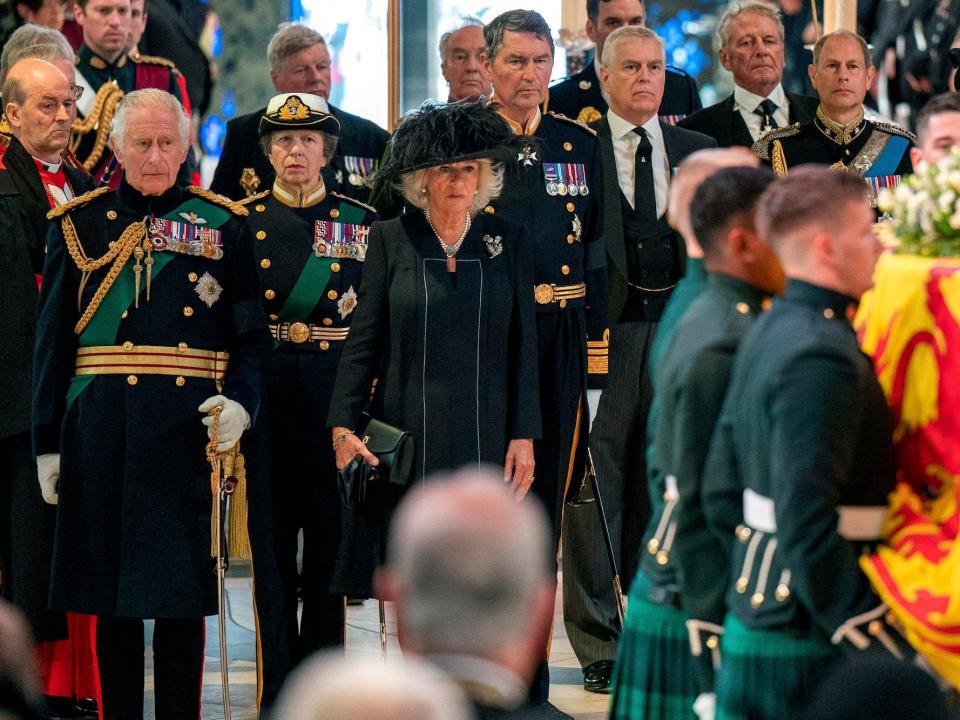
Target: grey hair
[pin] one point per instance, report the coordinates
(757, 7)
(329, 686)
(146, 99)
(489, 186)
(622, 34)
(289, 39)
(469, 563)
(329, 142)
(35, 42)
(818, 47)
(465, 22)
(519, 21)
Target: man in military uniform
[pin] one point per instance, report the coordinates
(551, 188)
(581, 96)
(802, 460)
(680, 562)
(461, 62)
(839, 135)
(310, 247)
(751, 47)
(644, 262)
(168, 327)
(106, 73)
(938, 129)
(300, 62)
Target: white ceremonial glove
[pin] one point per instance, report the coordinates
(705, 706)
(593, 402)
(48, 473)
(233, 421)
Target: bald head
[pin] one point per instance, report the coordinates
(692, 171)
(39, 105)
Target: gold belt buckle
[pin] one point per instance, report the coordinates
(543, 294)
(298, 332)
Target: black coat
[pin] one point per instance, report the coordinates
(23, 233)
(359, 138)
(679, 143)
(725, 124)
(133, 523)
(580, 92)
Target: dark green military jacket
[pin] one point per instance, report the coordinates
(799, 470)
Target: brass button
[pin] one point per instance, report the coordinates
(181, 347)
(334, 213)
(187, 311)
(570, 239)
(128, 346)
(324, 345)
(123, 315)
(298, 332)
(335, 267)
(713, 642)
(488, 209)
(131, 379)
(181, 381)
(565, 269)
(742, 308)
(562, 303)
(332, 294)
(274, 318)
(261, 235)
(828, 314)
(193, 277)
(265, 263)
(269, 294)
(111, 214)
(568, 146)
(571, 207)
(743, 533)
(259, 208)
(328, 321)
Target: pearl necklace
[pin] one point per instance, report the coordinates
(450, 250)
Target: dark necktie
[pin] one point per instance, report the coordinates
(644, 194)
(765, 110)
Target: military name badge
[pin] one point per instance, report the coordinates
(359, 169)
(186, 238)
(344, 241)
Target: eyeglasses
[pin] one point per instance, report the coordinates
(76, 91)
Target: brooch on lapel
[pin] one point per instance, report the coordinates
(208, 289)
(494, 245)
(577, 228)
(527, 157)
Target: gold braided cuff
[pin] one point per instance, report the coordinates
(597, 355)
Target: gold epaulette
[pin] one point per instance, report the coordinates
(892, 129)
(350, 200)
(254, 198)
(571, 121)
(761, 148)
(154, 60)
(234, 207)
(77, 202)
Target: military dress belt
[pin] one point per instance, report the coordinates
(858, 523)
(547, 293)
(130, 359)
(299, 333)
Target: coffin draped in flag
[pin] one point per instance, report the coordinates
(909, 324)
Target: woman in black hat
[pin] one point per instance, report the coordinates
(445, 320)
(310, 245)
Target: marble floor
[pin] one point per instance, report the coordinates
(363, 637)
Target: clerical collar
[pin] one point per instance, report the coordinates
(97, 62)
(294, 198)
(49, 167)
(839, 133)
(518, 129)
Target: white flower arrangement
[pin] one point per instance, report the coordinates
(922, 214)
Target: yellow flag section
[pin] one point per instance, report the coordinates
(909, 324)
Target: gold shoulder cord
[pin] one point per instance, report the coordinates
(119, 252)
(105, 106)
(778, 159)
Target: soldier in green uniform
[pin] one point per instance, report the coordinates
(802, 459)
(656, 678)
(310, 247)
(839, 135)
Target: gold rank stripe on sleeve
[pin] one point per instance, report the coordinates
(597, 355)
(129, 359)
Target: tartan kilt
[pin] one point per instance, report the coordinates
(654, 677)
(768, 674)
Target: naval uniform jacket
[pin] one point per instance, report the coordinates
(799, 470)
(244, 170)
(724, 123)
(133, 520)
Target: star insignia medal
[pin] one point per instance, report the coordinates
(193, 218)
(528, 156)
(338, 176)
(585, 84)
(208, 289)
(347, 303)
(577, 228)
(494, 245)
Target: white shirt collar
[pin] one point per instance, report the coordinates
(746, 100)
(620, 128)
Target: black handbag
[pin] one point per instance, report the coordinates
(365, 487)
(393, 447)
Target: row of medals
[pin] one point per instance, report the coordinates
(555, 188)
